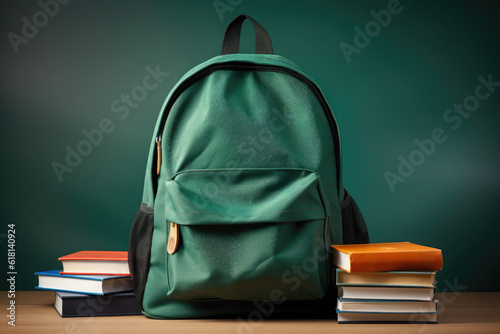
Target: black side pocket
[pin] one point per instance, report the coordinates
(139, 249)
(353, 224)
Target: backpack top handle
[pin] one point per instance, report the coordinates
(231, 43)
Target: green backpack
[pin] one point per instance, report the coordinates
(243, 193)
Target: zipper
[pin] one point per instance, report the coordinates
(246, 66)
(173, 238)
(158, 155)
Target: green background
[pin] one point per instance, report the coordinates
(394, 91)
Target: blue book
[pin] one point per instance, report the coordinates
(69, 304)
(89, 284)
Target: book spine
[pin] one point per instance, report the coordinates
(93, 274)
(408, 260)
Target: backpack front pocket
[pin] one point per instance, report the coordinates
(249, 234)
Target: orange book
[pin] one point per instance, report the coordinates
(358, 258)
(95, 263)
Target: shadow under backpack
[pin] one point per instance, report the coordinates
(243, 193)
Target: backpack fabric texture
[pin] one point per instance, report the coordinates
(243, 193)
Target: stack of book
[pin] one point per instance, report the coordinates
(389, 282)
(92, 283)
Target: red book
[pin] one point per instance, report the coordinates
(392, 256)
(95, 263)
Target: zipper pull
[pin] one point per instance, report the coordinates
(173, 238)
(158, 155)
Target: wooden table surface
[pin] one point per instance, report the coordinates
(467, 312)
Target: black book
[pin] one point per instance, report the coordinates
(69, 304)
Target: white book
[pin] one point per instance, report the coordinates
(386, 306)
(391, 293)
